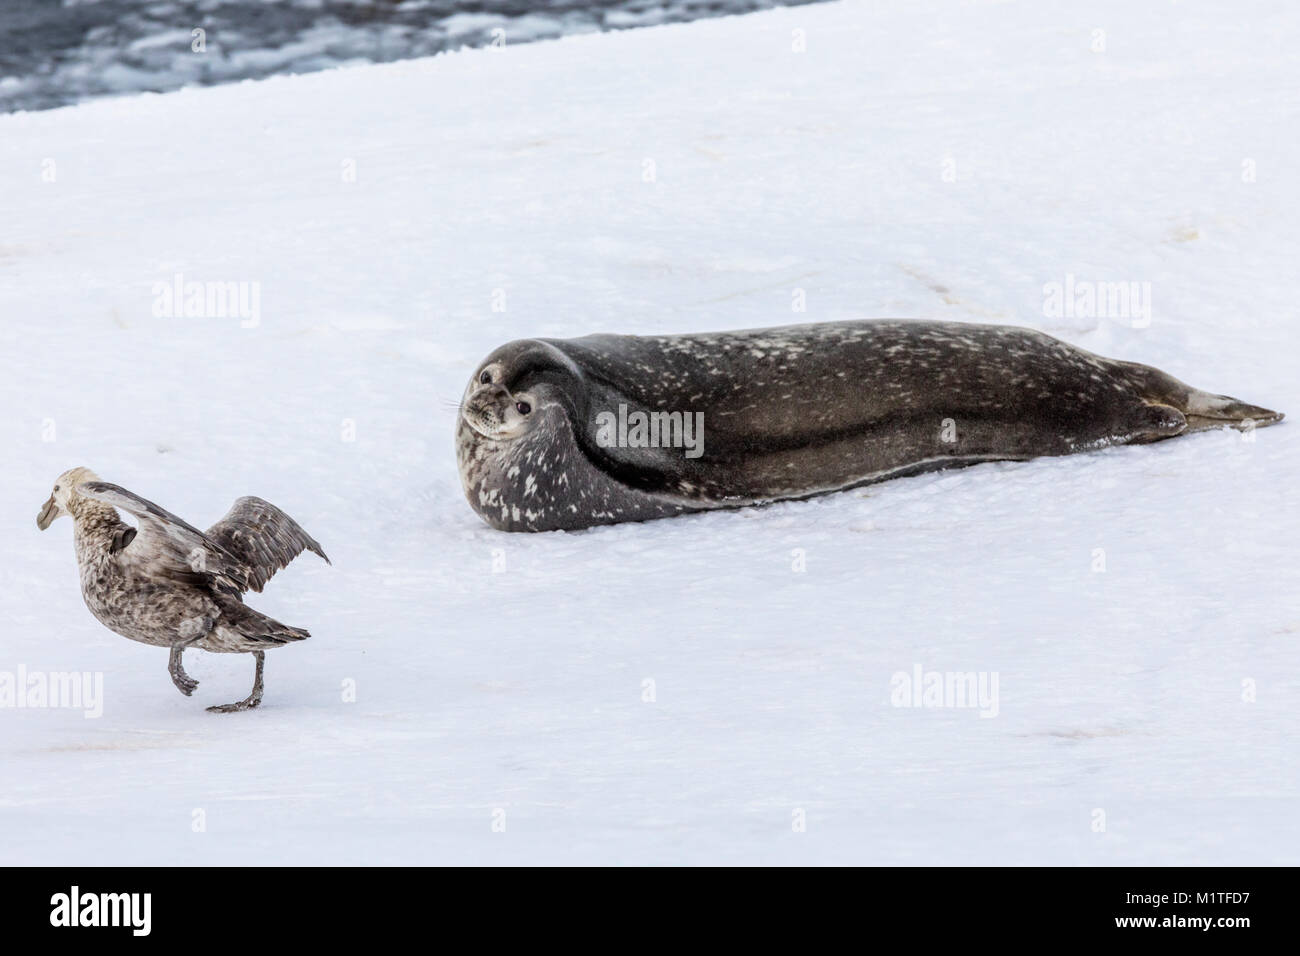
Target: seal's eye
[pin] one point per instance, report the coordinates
(485, 377)
(523, 408)
(56, 487)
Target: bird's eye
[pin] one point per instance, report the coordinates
(485, 377)
(523, 408)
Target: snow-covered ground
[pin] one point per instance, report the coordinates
(932, 159)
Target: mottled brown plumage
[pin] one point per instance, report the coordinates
(169, 584)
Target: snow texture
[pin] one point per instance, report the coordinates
(933, 159)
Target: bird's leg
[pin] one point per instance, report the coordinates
(253, 699)
(183, 681)
(191, 630)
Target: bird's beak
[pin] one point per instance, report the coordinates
(48, 514)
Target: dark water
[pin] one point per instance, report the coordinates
(56, 52)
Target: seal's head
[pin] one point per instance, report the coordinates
(514, 388)
(63, 499)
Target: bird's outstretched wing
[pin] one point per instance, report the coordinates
(263, 538)
(168, 546)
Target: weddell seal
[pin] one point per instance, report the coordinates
(561, 434)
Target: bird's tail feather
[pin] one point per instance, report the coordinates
(254, 630)
(283, 634)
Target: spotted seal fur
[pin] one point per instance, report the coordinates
(790, 412)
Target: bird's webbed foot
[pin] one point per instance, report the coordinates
(183, 681)
(253, 699)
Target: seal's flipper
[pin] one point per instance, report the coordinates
(1153, 421)
(1205, 411)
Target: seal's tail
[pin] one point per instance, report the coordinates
(1203, 410)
